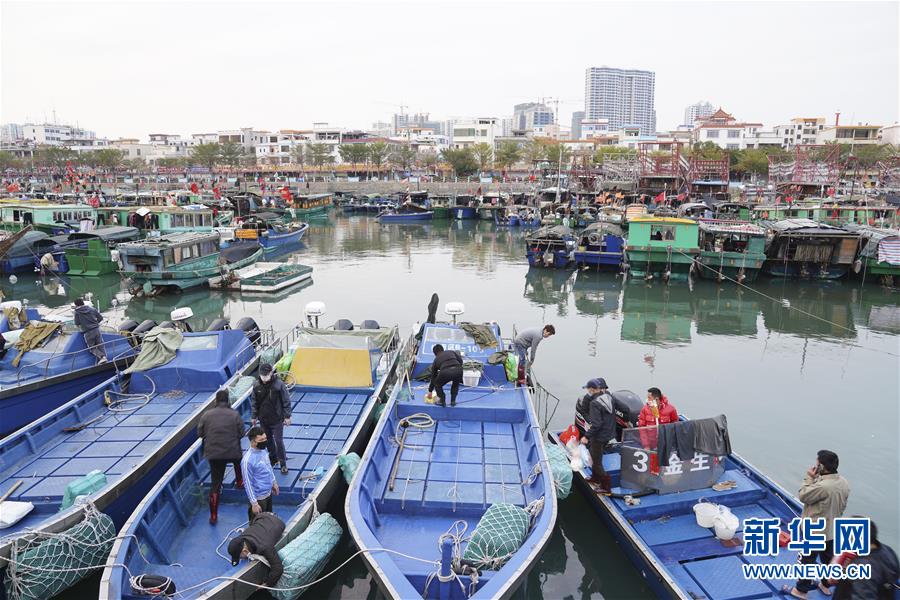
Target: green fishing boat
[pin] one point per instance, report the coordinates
(52, 219)
(93, 256)
(309, 207)
(879, 254)
(440, 206)
(731, 250)
(181, 261)
(662, 247)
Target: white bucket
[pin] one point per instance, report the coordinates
(706, 512)
(726, 524)
(470, 378)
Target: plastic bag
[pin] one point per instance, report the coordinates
(570, 432)
(511, 366)
(585, 455)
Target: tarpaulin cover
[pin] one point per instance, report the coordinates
(337, 361)
(159, 347)
(482, 334)
(380, 338)
(33, 336)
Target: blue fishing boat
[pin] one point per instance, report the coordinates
(17, 251)
(406, 213)
(270, 232)
(57, 245)
(54, 366)
(600, 244)
(657, 513)
(552, 246)
(464, 207)
(431, 474)
(110, 445)
(335, 377)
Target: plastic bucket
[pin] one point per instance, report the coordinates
(706, 512)
(726, 524)
(470, 378)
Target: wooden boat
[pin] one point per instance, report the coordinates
(809, 250)
(268, 230)
(75, 246)
(464, 206)
(879, 254)
(52, 219)
(129, 434)
(600, 244)
(182, 260)
(407, 212)
(662, 247)
(411, 504)
(163, 219)
(309, 206)
(731, 250)
(264, 277)
(440, 206)
(17, 254)
(337, 377)
(659, 531)
(551, 246)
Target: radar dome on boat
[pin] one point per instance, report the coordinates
(314, 309)
(181, 314)
(454, 308)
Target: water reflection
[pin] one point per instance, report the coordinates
(657, 314)
(728, 310)
(596, 293)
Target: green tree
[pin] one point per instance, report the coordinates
(353, 153)
(232, 154)
(298, 155)
(108, 158)
(461, 160)
(134, 164)
(508, 154)
(207, 155)
(429, 159)
(534, 151)
(171, 162)
(53, 156)
(319, 154)
(378, 152)
(558, 153)
(706, 151)
(751, 161)
(8, 160)
(484, 154)
(403, 157)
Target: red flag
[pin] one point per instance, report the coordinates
(216, 193)
(286, 194)
(479, 191)
(777, 199)
(12, 188)
(831, 191)
(194, 187)
(789, 199)
(680, 197)
(661, 197)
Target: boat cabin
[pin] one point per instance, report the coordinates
(165, 252)
(53, 219)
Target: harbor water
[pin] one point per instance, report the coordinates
(795, 366)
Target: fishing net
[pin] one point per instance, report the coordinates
(562, 470)
(45, 564)
(240, 387)
(270, 356)
(499, 534)
(349, 463)
(306, 556)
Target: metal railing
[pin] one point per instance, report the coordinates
(74, 354)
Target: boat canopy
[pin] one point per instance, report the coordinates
(332, 360)
(603, 228)
(881, 244)
(23, 245)
(807, 227)
(731, 227)
(551, 232)
(113, 233)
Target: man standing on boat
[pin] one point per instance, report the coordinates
(529, 339)
(88, 319)
(446, 368)
(601, 429)
(824, 495)
(272, 407)
(221, 429)
(259, 478)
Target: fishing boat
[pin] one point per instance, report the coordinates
(662, 246)
(732, 250)
(162, 220)
(61, 247)
(268, 230)
(17, 251)
(52, 219)
(600, 244)
(464, 207)
(92, 255)
(111, 445)
(54, 365)
(879, 254)
(336, 377)
(655, 513)
(809, 250)
(851, 212)
(551, 246)
(310, 206)
(263, 277)
(432, 479)
(406, 212)
(182, 260)
(440, 206)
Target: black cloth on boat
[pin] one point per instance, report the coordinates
(684, 438)
(498, 358)
(483, 334)
(432, 308)
(711, 436)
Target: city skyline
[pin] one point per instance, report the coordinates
(200, 72)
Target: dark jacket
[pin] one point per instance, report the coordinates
(87, 318)
(261, 536)
(447, 359)
(221, 428)
(582, 413)
(271, 401)
(601, 418)
(885, 571)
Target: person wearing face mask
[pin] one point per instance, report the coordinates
(657, 410)
(259, 479)
(260, 539)
(272, 408)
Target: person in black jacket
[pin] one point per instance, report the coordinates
(600, 430)
(447, 367)
(88, 319)
(885, 571)
(260, 538)
(221, 429)
(272, 408)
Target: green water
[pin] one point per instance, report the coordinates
(790, 382)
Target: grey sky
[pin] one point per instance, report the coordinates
(130, 69)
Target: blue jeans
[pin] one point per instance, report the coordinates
(521, 352)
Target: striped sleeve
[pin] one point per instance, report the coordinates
(248, 483)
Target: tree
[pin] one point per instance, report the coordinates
(403, 157)
(134, 164)
(429, 159)
(461, 160)
(8, 160)
(298, 155)
(206, 154)
(353, 153)
(751, 160)
(319, 154)
(108, 158)
(508, 154)
(706, 151)
(171, 162)
(378, 152)
(231, 154)
(558, 153)
(534, 151)
(52, 156)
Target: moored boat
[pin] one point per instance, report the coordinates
(464, 206)
(310, 206)
(661, 247)
(270, 232)
(600, 244)
(732, 250)
(879, 254)
(404, 213)
(550, 246)
(809, 250)
(336, 377)
(432, 473)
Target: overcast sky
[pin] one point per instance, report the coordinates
(129, 69)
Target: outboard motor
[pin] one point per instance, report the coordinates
(138, 332)
(249, 327)
(343, 325)
(219, 325)
(167, 325)
(627, 405)
(369, 324)
(128, 326)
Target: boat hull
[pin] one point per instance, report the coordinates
(561, 259)
(441, 212)
(599, 259)
(794, 270)
(463, 212)
(656, 261)
(731, 265)
(410, 218)
(184, 280)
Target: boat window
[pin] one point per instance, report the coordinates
(207, 248)
(178, 254)
(662, 232)
(167, 257)
(203, 342)
(445, 334)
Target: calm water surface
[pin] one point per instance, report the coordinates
(790, 382)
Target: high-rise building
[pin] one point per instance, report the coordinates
(11, 132)
(624, 96)
(528, 115)
(697, 112)
(577, 118)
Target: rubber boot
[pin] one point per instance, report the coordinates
(238, 478)
(605, 485)
(213, 508)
